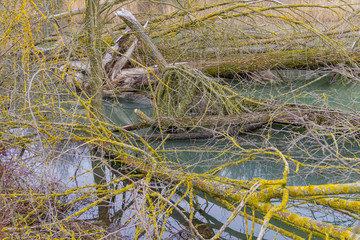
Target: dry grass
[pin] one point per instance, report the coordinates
(162, 7)
(324, 15)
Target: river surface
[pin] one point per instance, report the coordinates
(74, 167)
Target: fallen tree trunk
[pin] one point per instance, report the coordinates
(291, 114)
(296, 59)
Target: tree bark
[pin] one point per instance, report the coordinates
(296, 59)
(92, 18)
(96, 76)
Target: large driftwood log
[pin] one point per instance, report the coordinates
(210, 126)
(227, 67)
(297, 59)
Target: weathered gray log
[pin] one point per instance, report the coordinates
(134, 24)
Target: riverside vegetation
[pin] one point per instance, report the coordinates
(209, 69)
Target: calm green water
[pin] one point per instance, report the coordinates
(309, 87)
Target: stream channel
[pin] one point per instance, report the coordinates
(74, 167)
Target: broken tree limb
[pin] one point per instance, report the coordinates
(114, 50)
(108, 56)
(118, 66)
(144, 118)
(134, 24)
(247, 121)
